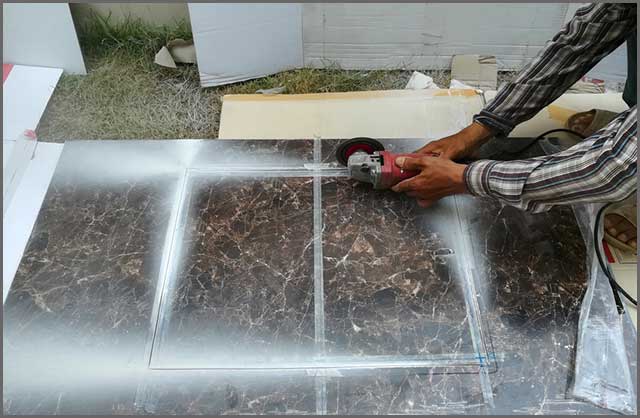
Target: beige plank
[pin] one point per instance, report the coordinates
(384, 114)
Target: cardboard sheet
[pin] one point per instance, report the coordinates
(41, 34)
(475, 70)
(23, 210)
(237, 42)
(382, 114)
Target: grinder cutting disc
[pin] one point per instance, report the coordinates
(353, 145)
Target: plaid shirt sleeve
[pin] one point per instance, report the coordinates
(593, 32)
(600, 169)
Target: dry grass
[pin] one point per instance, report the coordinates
(126, 96)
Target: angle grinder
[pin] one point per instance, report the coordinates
(368, 162)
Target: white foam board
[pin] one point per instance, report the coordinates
(237, 42)
(23, 210)
(41, 34)
(25, 95)
(7, 147)
(15, 167)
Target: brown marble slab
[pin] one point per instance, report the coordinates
(390, 283)
(531, 279)
(78, 317)
(220, 393)
(242, 294)
(79, 306)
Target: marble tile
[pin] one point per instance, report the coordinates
(79, 307)
(405, 393)
(79, 314)
(531, 279)
(242, 294)
(215, 393)
(329, 147)
(389, 290)
(251, 153)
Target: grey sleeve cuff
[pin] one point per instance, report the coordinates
(497, 124)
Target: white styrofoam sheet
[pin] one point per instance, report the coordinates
(237, 42)
(41, 34)
(25, 95)
(24, 207)
(7, 147)
(15, 167)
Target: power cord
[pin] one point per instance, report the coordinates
(552, 131)
(605, 267)
(544, 134)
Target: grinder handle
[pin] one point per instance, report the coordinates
(404, 174)
(391, 173)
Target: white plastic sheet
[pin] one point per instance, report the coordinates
(606, 363)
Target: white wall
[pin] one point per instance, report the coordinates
(613, 67)
(425, 36)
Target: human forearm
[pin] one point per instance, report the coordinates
(461, 144)
(592, 33)
(600, 169)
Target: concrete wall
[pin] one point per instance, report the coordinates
(152, 13)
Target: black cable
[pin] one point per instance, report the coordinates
(551, 131)
(578, 134)
(605, 268)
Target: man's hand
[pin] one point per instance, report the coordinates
(459, 145)
(438, 178)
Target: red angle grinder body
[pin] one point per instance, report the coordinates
(391, 174)
(367, 161)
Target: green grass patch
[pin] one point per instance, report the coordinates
(126, 96)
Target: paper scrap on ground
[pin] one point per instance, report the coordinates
(584, 86)
(176, 51)
(455, 84)
(478, 71)
(419, 81)
(275, 90)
